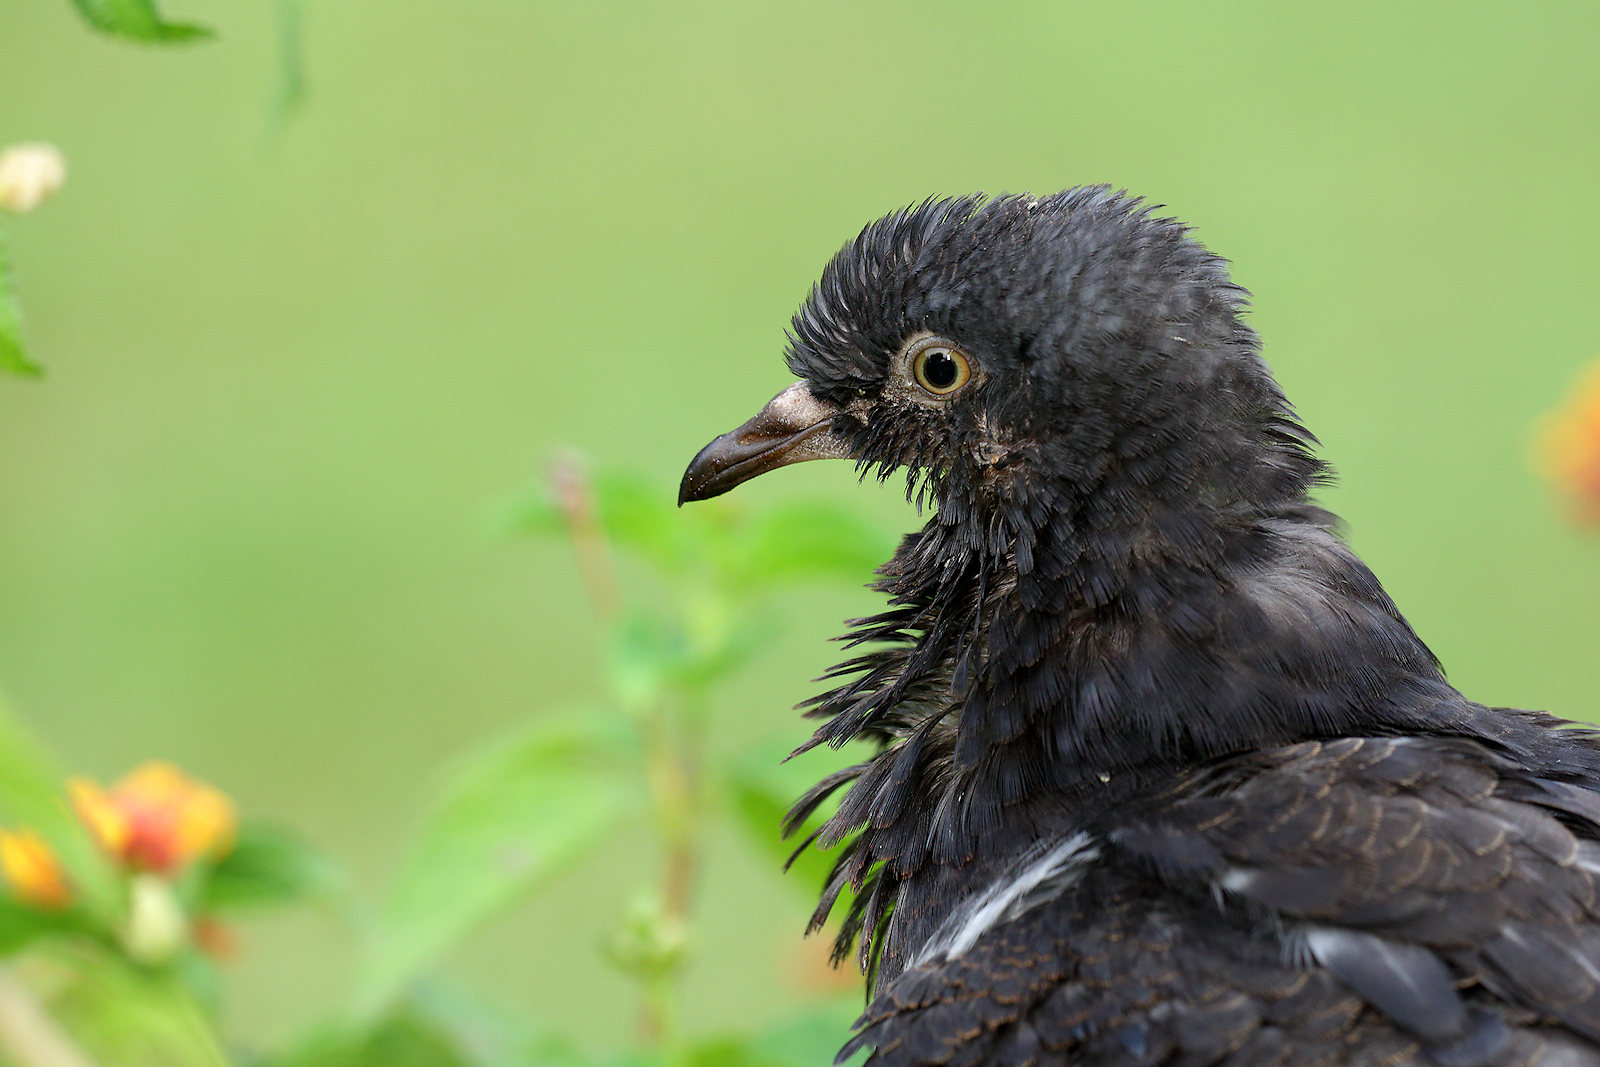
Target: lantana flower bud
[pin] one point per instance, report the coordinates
(29, 174)
(1569, 448)
(32, 870)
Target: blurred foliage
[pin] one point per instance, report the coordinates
(116, 915)
(124, 958)
(13, 358)
(31, 797)
(29, 175)
(233, 527)
(506, 820)
(138, 20)
(131, 950)
(292, 82)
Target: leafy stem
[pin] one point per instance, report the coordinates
(670, 722)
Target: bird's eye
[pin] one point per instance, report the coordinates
(940, 369)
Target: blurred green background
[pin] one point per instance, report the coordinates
(244, 520)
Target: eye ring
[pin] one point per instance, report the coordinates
(939, 367)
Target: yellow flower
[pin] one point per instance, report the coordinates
(1569, 447)
(156, 818)
(32, 869)
(104, 820)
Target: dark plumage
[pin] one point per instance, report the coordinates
(1161, 774)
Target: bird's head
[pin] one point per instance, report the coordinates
(1125, 577)
(1020, 357)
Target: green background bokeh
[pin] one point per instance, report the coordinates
(243, 523)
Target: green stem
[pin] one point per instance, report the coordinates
(673, 767)
(575, 497)
(673, 743)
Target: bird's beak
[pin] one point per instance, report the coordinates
(792, 428)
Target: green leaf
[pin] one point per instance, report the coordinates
(13, 357)
(405, 1037)
(291, 95)
(640, 516)
(645, 655)
(520, 813)
(813, 1036)
(811, 539)
(649, 656)
(726, 1051)
(32, 797)
(629, 511)
(633, 514)
(716, 541)
(134, 1017)
(21, 924)
(762, 788)
(528, 513)
(268, 866)
(137, 20)
(804, 1040)
(490, 1036)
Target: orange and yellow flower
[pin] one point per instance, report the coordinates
(32, 870)
(1569, 448)
(156, 818)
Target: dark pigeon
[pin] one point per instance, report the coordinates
(1161, 774)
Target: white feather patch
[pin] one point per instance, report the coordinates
(1013, 894)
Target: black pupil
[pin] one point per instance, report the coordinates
(940, 370)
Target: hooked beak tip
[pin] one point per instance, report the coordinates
(795, 426)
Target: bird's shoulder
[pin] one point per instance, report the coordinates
(1362, 900)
